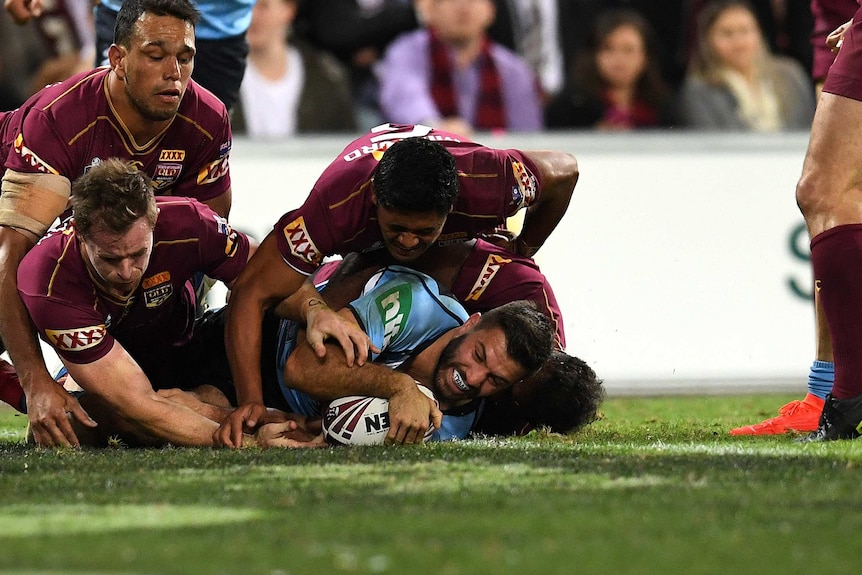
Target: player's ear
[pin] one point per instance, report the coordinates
(117, 59)
(471, 321)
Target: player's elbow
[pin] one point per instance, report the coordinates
(568, 173)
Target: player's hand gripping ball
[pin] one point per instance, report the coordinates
(361, 420)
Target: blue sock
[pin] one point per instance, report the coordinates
(820, 378)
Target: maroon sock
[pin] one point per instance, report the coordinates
(10, 389)
(836, 256)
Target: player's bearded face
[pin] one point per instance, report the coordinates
(158, 66)
(475, 364)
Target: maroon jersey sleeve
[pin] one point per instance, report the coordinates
(49, 131)
(306, 235)
(828, 15)
(492, 276)
(494, 185)
(223, 251)
(845, 75)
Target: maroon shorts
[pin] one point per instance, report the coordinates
(845, 75)
(828, 15)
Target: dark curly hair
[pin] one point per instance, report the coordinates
(563, 397)
(416, 175)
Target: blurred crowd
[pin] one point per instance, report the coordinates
(330, 66)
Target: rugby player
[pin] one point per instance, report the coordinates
(828, 194)
(143, 108)
(563, 396)
(111, 292)
(803, 415)
(429, 186)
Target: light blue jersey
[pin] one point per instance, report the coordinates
(219, 18)
(402, 311)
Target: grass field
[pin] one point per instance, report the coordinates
(657, 486)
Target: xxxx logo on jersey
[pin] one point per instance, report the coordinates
(394, 307)
(76, 339)
(30, 157)
(492, 265)
(213, 171)
(300, 243)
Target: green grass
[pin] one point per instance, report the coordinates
(657, 486)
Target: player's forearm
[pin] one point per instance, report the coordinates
(243, 343)
(174, 423)
(330, 377)
(559, 173)
(16, 328)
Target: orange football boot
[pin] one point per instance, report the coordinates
(797, 416)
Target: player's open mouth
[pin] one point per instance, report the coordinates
(459, 382)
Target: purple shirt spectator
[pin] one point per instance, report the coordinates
(405, 85)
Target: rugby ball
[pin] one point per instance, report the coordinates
(361, 420)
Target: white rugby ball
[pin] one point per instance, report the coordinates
(361, 420)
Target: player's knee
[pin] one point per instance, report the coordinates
(809, 197)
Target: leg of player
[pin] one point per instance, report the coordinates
(829, 194)
(803, 415)
(10, 388)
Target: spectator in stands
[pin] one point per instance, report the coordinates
(357, 32)
(65, 29)
(289, 87)
(531, 28)
(616, 81)
(50, 46)
(452, 76)
(735, 83)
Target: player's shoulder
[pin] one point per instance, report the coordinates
(202, 108)
(183, 216)
(493, 254)
(71, 100)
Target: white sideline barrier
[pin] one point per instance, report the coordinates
(672, 266)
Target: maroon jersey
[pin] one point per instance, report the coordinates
(828, 15)
(492, 276)
(338, 216)
(80, 321)
(845, 75)
(67, 127)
